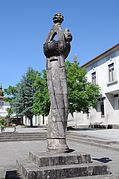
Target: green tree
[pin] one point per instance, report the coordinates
(41, 103)
(23, 102)
(9, 97)
(18, 101)
(30, 96)
(81, 94)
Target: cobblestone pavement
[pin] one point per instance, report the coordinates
(10, 151)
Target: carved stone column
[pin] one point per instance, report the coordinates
(56, 52)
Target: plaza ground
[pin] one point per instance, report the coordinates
(111, 134)
(10, 151)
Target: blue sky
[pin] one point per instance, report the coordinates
(24, 25)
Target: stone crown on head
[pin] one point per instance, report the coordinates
(58, 18)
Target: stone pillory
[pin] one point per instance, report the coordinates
(56, 53)
(61, 162)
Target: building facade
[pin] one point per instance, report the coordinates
(104, 71)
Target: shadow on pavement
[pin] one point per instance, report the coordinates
(103, 160)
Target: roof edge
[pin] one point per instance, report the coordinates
(104, 53)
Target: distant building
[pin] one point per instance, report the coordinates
(36, 120)
(104, 71)
(3, 105)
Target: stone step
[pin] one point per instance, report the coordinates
(88, 138)
(3, 137)
(12, 175)
(10, 172)
(18, 136)
(8, 137)
(112, 145)
(91, 138)
(52, 159)
(29, 170)
(22, 139)
(95, 177)
(15, 137)
(16, 140)
(23, 134)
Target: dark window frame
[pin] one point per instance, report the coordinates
(111, 72)
(94, 77)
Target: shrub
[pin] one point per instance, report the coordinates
(3, 123)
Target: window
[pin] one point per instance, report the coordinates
(94, 77)
(116, 101)
(102, 108)
(111, 72)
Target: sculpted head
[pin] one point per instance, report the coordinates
(67, 35)
(58, 18)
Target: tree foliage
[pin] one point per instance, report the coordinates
(10, 96)
(23, 102)
(81, 93)
(3, 123)
(41, 103)
(31, 96)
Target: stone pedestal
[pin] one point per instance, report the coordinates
(50, 165)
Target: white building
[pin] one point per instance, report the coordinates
(3, 105)
(36, 120)
(3, 108)
(104, 71)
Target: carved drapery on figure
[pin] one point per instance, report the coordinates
(56, 53)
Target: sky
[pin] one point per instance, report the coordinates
(24, 26)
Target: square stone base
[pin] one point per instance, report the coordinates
(49, 165)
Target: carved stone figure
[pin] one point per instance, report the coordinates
(56, 53)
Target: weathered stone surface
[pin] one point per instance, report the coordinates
(56, 52)
(53, 165)
(60, 144)
(31, 171)
(59, 88)
(27, 169)
(95, 177)
(49, 159)
(55, 133)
